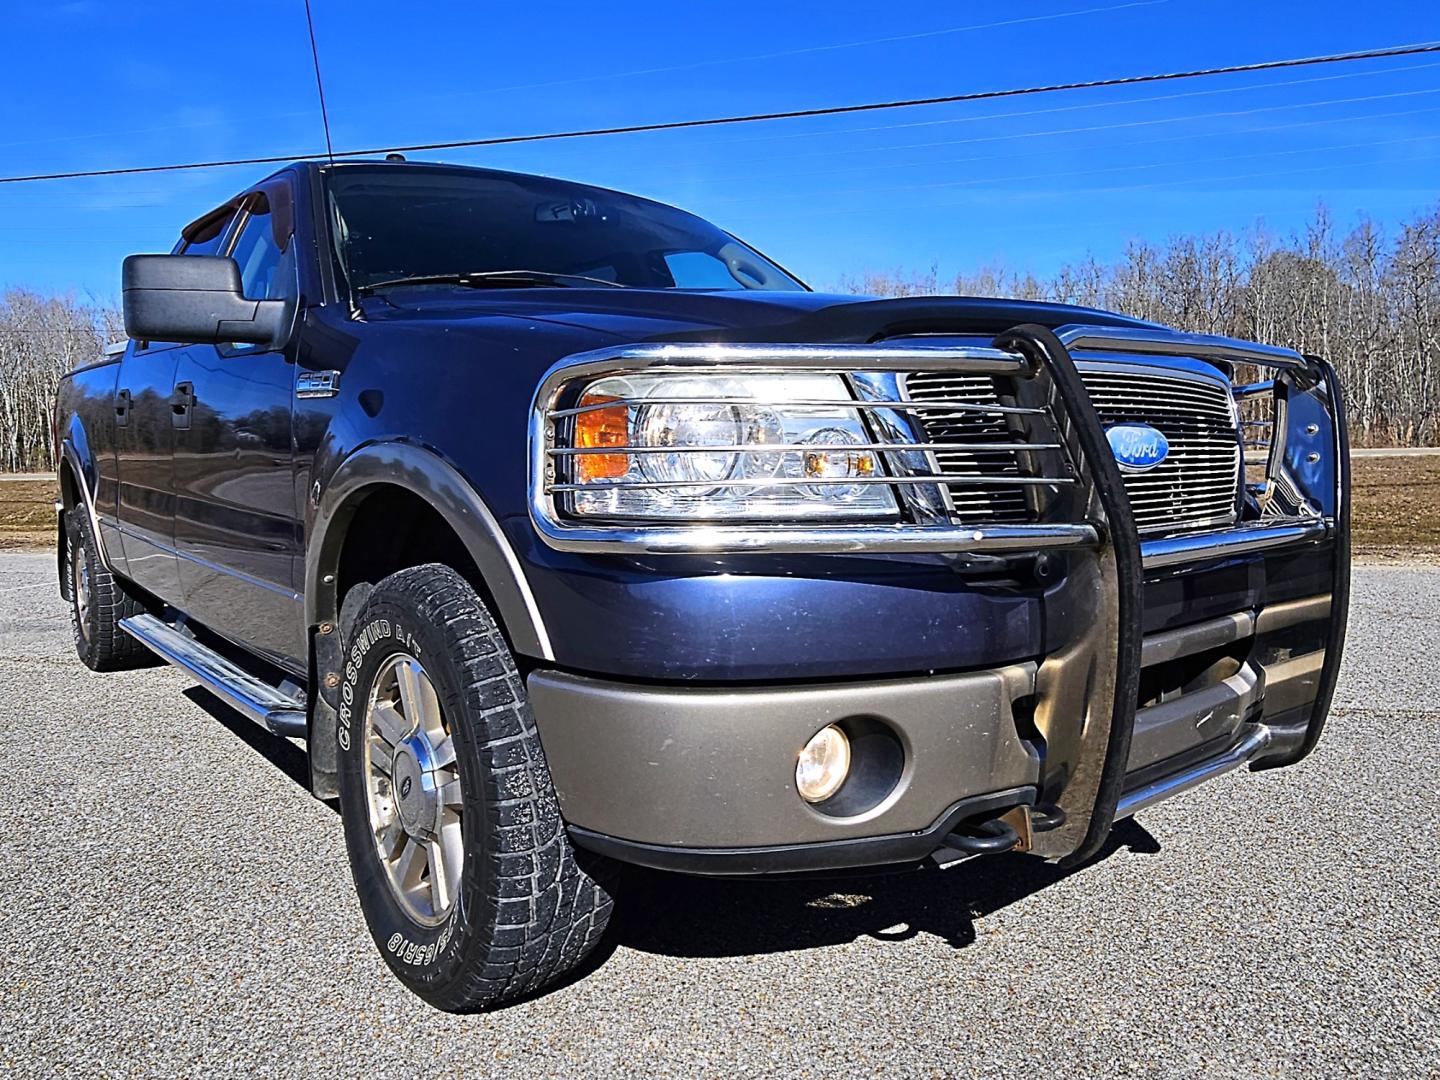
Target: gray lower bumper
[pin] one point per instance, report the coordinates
(702, 778)
(715, 768)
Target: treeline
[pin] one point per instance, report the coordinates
(1368, 301)
(41, 338)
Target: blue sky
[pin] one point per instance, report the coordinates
(1027, 183)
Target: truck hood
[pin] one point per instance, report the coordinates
(631, 315)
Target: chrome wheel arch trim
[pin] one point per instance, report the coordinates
(70, 458)
(445, 488)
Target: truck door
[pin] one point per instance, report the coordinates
(235, 524)
(145, 503)
(146, 414)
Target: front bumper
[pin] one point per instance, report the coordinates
(689, 769)
(701, 779)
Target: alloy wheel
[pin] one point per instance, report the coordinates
(80, 588)
(413, 784)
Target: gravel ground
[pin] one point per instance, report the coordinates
(176, 904)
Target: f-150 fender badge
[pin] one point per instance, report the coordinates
(317, 384)
(1137, 447)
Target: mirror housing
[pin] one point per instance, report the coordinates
(196, 300)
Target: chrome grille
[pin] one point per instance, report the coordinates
(1197, 484)
(973, 502)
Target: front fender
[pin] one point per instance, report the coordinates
(446, 489)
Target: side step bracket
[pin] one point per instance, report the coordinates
(267, 705)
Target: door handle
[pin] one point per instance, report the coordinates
(182, 401)
(122, 408)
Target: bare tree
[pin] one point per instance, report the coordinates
(41, 338)
(1371, 306)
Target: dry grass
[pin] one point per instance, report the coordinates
(1396, 507)
(27, 514)
(1396, 515)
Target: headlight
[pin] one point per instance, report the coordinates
(680, 446)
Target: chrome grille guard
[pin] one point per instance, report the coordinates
(1304, 497)
(1288, 515)
(936, 534)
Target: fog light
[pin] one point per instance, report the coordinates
(823, 765)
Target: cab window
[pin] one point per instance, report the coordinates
(267, 271)
(207, 239)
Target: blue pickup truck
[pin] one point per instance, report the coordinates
(571, 532)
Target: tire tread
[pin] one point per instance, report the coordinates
(546, 911)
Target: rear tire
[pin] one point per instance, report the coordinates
(98, 601)
(469, 884)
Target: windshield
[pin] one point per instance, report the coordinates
(395, 222)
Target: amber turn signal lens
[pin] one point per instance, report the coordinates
(598, 428)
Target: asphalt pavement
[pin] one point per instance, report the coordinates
(175, 904)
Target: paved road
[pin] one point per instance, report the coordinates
(175, 904)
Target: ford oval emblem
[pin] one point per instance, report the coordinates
(1137, 447)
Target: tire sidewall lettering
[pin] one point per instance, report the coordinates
(372, 632)
(418, 953)
(417, 947)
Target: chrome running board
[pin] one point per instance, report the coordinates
(267, 705)
(1258, 740)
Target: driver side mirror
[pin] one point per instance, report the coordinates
(196, 300)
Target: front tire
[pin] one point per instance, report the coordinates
(468, 881)
(98, 601)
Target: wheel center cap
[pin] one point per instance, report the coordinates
(415, 787)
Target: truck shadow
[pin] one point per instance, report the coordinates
(282, 753)
(673, 915)
(691, 917)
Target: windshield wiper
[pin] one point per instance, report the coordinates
(496, 279)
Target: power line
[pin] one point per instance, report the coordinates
(970, 119)
(1014, 136)
(982, 180)
(751, 118)
(91, 230)
(319, 86)
(611, 75)
(1049, 110)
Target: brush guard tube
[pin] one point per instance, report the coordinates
(1340, 589)
(1087, 687)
